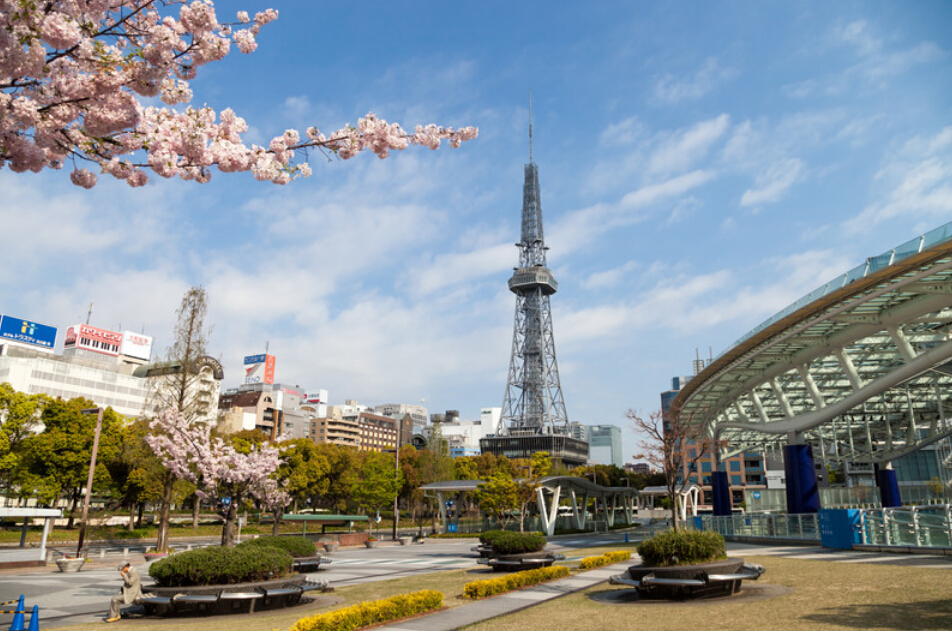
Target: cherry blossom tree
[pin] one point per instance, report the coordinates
(215, 466)
(78, 79)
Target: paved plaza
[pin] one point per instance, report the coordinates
(84, 596)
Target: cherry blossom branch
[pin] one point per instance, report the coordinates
(72, 75)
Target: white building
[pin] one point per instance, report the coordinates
(107, 385)
(463, 437)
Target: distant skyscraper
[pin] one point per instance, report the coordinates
(605, 445)
(533, 415)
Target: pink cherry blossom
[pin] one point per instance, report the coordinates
(72, 74)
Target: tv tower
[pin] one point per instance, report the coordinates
(533, 415)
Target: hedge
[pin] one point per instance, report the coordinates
(296, 546)
(221, 566)
(372, 612)
(590, 563)
(509, 582)
(517, 543)
(682, 547)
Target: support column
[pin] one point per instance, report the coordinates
(720, 485)
(803, 494)
(888, 487)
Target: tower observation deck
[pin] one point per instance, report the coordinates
(534, 416)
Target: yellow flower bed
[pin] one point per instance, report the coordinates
(372, 612)
(509, 582)
(590, 563)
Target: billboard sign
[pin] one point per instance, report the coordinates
(259, 368)
(92, 339)
(27, 332)
(136, 345)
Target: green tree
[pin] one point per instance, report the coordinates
(19, 417)
(135, 470)
(343, 464)
(303, 475)
(57, 459)
(499, 497)
(377, 483)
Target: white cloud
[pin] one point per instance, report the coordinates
(625, 132)
(575, 230)
(771, 185)
(607, 279)
(672, 89)
(687, 147)
(918, 179)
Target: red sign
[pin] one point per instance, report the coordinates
(92, 339)
(269, 369)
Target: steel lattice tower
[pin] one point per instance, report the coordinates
(533, 402)
(533, 414)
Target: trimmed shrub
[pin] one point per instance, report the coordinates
(372, 612)
(590, 563)
(221, 566)
(517, 543)
(682, 547)
(503, 584)
(487, 538)
(296, 546)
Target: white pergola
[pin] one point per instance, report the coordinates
(549, 495)
(26, 514)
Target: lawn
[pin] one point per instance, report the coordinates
(825, 596)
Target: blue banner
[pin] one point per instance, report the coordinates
(20, 330)
(255, 359)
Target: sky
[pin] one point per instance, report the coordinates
(702, 166)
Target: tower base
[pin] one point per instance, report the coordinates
(570, 451)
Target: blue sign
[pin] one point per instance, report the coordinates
(839, 528)
(756, 495)
(452, 527)
(20, 330)
(255, 359)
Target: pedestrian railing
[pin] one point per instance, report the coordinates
(782, 526)
(919, 526)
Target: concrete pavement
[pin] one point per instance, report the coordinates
(84, 596)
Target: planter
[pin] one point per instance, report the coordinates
(683, 582)
(331, 546)
(69, 565)
(152, 556)
(371, 544)
(405, 540)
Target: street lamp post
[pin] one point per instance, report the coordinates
(396, 473)
(89, 479)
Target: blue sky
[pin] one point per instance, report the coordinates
(702, 166)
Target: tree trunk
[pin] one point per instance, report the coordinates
(277, 522)
(141, 509)
(72, 509)
(162, 539)
(132, 518)
(228, 528)
(196, 509)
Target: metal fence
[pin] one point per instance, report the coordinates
(928, 526)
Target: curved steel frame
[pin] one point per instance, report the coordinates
(861, 368)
